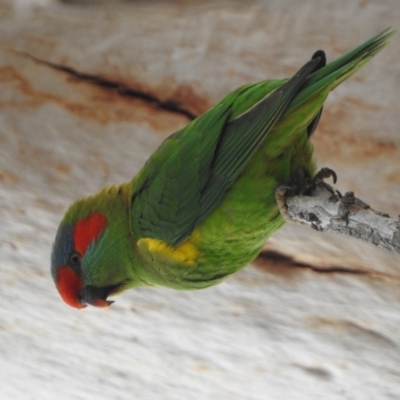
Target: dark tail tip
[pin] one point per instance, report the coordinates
(322, 62)
(322, 59)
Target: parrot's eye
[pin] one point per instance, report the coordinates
(75, 260)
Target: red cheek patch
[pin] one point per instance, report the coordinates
(88, 229)
(68, 285)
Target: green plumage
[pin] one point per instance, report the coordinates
(209, 188)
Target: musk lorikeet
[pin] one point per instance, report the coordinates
(204, 203)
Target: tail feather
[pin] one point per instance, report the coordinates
(334, 73)
(322, 62)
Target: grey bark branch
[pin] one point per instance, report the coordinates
(348, 215)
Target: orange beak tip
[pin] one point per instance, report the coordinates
(102, 303)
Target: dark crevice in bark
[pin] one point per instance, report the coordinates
(121, 88)
(276, 257)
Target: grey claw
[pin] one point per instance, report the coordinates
(324, 173)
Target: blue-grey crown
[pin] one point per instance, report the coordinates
(62, 248)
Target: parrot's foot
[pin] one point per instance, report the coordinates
(322, 174)
(303, 185)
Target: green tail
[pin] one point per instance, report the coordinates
(337, 71)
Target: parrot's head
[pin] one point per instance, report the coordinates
(78, 259)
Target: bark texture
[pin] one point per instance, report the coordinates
(88, 90)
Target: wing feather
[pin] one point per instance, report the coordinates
(189, 174)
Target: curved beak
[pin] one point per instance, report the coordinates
(95, 296)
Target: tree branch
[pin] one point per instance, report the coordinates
(348, 215)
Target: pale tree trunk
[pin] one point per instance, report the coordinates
(88, 89)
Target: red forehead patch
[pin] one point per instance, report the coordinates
(68, 285)
(88, 229)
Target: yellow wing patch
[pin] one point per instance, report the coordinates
(186, 253)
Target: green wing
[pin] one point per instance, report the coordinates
(187, 177)
(189, 174)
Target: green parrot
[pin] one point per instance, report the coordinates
(204, 204)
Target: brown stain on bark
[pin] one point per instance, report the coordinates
(63, 168)
(201, 368)
(335, 47)
(351, 327)
(335, 137)
(186, 95)
(284, 266)
(91, 102)
(277, 264)
(393, 177)
(360, 103)
(183, 100)
(9, 177)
